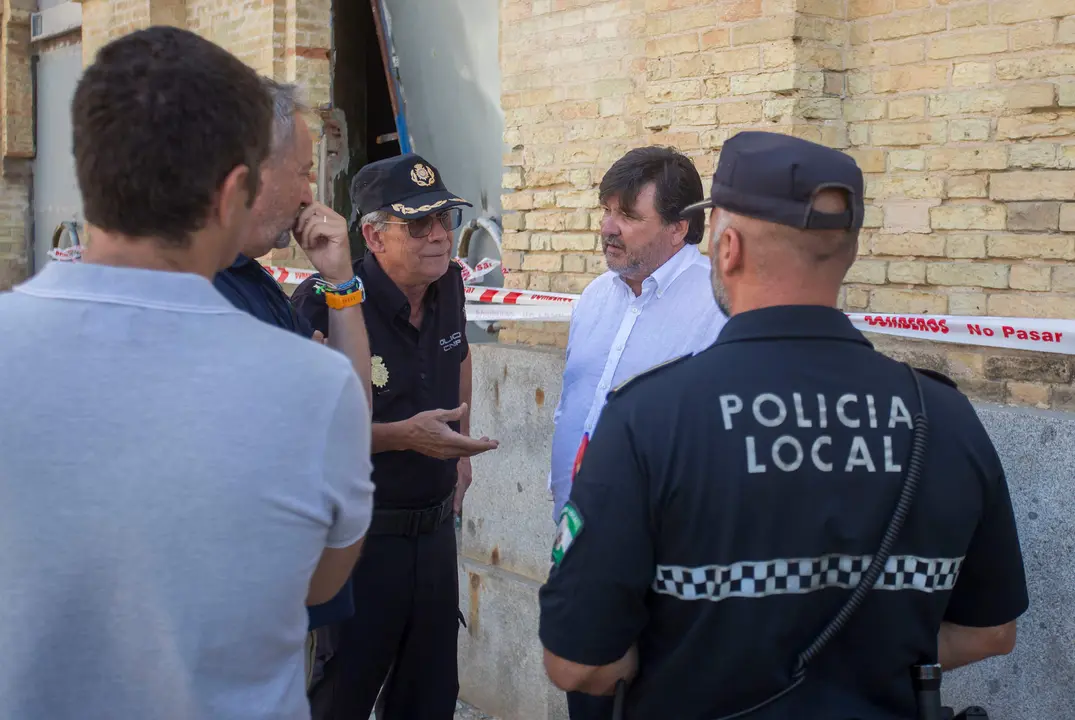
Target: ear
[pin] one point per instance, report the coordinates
(680, 228)
(234, 198)
(731, 250)
(373, 238)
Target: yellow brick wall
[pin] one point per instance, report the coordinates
(584, 81)
(16, 99)
(104, 20)
(14, 205)
(16, 138)
(289, 40)
(244, 28)
(960, 112)
(964, 120)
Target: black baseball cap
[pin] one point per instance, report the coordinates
(407, 186)
(774, 177)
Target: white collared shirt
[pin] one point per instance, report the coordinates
(615, 335)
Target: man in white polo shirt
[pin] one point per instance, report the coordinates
(654, 303)
(164, 519)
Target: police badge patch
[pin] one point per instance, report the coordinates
(569, 529)
(422, 175)
(378, 371)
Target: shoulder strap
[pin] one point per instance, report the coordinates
(938, 376)
(646, 373)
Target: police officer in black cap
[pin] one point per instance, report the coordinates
(734, 507)
(404, 632)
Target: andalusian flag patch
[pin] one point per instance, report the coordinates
(570, 527)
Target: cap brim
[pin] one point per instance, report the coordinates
(697, 207)
(418, 206)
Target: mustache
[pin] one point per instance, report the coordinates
(612, 241)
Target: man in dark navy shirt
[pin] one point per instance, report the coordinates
(283, 207)
(729, 503)
(405, 627)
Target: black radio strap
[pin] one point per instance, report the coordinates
(916, 460)
(915, 463)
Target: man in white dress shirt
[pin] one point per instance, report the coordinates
(654, 303)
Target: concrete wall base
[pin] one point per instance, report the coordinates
(508, 530)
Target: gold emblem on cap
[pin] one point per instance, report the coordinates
(422, 175)
(378, 371)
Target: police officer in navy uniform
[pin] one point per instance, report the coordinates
(404, 631)
(729, 502)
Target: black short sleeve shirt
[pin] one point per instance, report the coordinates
(728, 503)
(414, 370)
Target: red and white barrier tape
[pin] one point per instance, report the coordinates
(1043, 335)
(483, 268)
(289, 276)
(508, 296)
(294, 276)
(479, 312)
(71, 254)
(505, 304)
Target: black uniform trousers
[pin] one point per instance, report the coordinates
(404, 633)
(581, 706)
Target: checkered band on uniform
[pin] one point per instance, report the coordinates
(797, 576)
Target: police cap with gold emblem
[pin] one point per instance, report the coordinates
(407, 186)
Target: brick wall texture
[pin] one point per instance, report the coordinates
(16, 138)
(960, 112)
(289, 40)
(14, 208)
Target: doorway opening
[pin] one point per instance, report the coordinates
(360, 91)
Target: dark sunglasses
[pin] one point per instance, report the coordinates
(449, 220)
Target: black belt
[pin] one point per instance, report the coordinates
(411, 523)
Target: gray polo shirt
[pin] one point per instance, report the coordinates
(171, 469)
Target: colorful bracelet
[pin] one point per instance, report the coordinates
(339, 302)
(346, 295)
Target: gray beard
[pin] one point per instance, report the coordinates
(282, 240)
(720, 295)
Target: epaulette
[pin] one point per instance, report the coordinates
(939, 377)
(647, 373)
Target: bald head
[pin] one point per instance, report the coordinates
(757, 263)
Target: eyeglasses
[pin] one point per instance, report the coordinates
(449, 220)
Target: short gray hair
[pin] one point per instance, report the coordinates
(378, 219)
(286, 103)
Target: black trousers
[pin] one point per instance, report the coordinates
(404, 634)
(581, 706)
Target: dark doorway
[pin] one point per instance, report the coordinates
(360, 90)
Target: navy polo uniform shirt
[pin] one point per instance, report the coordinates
(728, 503)
(414, 370)
(249, 287)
